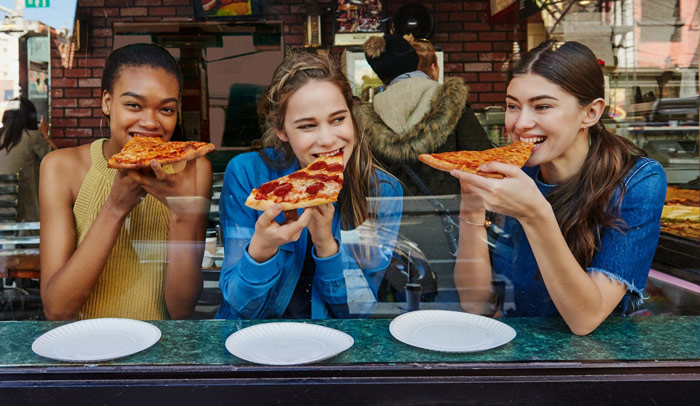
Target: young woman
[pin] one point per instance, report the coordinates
(312, 267)
(23, 145)
(583, 216)
(117, 243)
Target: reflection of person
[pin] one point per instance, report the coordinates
(22, 146)
(117, 243)
(583, 216)
(307, 268)
(416, 115)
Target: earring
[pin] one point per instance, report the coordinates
(102, 118)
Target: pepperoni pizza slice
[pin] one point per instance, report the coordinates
(139, 151)
(317, 184)
(516, 153)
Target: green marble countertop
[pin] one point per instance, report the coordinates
(672, 338)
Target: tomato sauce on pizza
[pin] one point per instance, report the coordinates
(516, 154)
(319, 183)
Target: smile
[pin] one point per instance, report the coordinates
(533, 140)
(144, 134)
(331, 153)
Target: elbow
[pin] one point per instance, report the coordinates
(582, 331)
(57, 314)
(180, 314)
(585, 327)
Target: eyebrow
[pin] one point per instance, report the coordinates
(534, 99)
(311, 118)
(138, 96)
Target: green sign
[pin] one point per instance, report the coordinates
(37, 3)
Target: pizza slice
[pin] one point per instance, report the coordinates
(516, 154)
(319, 183)
(139, 151)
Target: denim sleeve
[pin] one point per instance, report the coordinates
(244, 283)
(625, 255)
(353, 291)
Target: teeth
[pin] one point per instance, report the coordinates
(533, 139)
(327, 154)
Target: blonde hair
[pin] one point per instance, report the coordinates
(297, 69)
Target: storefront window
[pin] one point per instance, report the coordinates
(649, 53)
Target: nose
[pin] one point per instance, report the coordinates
(524, 120)
(325, 136)
(148, 119)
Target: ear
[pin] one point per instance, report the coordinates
(593, 112)
(281, 135)
(106, 102)
(435, 71)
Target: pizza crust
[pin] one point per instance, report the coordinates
(265, 204)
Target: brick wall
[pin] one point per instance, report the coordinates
(474, 50)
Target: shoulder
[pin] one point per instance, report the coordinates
(248, 162)
(645, 168)
(646, 181)
(388, 184)
(68, 160)
(250, 169)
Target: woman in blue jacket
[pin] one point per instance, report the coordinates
(330, 261)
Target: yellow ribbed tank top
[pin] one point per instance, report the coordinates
(133, 279)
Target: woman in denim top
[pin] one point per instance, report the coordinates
(316, 266)
(582, 219)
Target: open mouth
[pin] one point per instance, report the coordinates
(534, 140)
(144, 134)
(335, 152)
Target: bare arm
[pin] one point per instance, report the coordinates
(472, 271)
(69, 274)
(44, 129)
(187, 195)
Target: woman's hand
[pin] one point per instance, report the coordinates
(165, 186)
(516, 195)
(321, 229)
(269, 234)
(44, 127)
(126, 193)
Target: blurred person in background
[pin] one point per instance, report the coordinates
(417, 115)
(23, 144)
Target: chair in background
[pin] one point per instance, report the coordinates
(19, 256)
(9, 197)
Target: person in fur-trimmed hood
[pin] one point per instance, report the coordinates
(415, 114)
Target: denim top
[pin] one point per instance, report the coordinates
(343, 285)
(623, 256)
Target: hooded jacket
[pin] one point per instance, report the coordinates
(418, 116)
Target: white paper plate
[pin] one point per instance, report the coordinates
(449, 331)
(96, 340)
(287, 343)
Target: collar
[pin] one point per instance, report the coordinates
(408, 75)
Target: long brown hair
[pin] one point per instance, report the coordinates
(297, 69)
(582, 204)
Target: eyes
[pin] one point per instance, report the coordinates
(311, 125)
(135, 106)
(537, 107)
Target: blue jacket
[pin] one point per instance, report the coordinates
(343, 286)
(623, 255)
